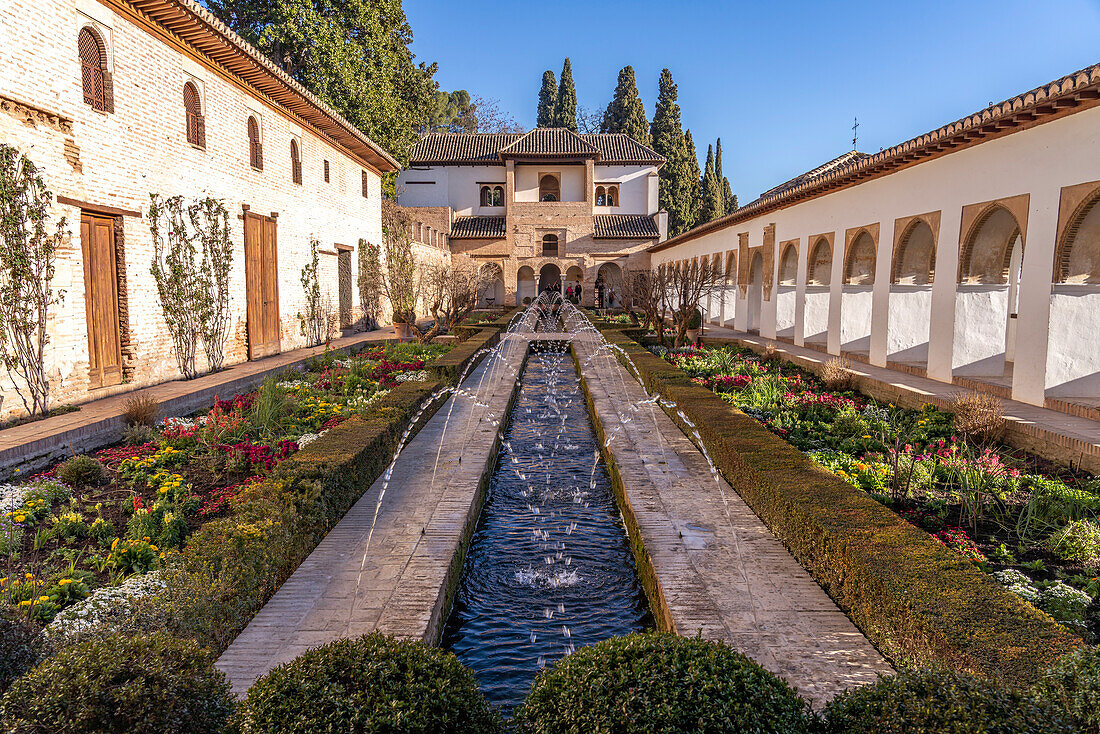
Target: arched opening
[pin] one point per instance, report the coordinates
(549, 278)
(609, 286)
(785, 295)
(486, 196)
(1075, 308)
(492, 292)
(192, 107)
(549, 188)
(94, 77)
(821, 263)
(856, 294)
(788, 265)
(756, 293)
(255, 147)
(985, 305)
(601, 196)
(574, 279)
(860, 267)
(815, 317)
(729, 290)
(295, 162)
(498, 196)
(525, 284)
(910, 300)
(612, 195)
(550, 245)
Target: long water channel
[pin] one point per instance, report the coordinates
(549, 567)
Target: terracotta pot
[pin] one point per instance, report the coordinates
(693, 335)
(402, 330)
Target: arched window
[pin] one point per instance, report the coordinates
(196, 124)
(820, 264)
(94, 76)
(498, 196)
(1077, 257)
(860, 267)
(601, 196)
(612, 195)
(295, 162)
(550, 245)
(788, 266)
(549, 189)
(255, 147)
(486, 196)
(987, 256)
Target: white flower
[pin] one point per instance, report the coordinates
(307, 439)
(415, 376)
(107, 608)
(177, 422)
(1018, 584)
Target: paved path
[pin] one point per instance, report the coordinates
(1049, 433)
(398, 585)
(719, 569)
(31, 446)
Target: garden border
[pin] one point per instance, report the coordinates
(901, 588)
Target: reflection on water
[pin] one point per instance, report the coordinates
(549, 568)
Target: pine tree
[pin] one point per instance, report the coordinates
(729, 201)
(625, 112)
(548, 99)
(565, 111)
(691, 184)
(667, 138)
(712, 202)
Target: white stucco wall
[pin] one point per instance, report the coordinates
(570, 178)
(1074, 341)
(910, 311)
(633, 183)
(855, 318)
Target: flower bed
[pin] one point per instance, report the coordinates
(93, 522)
(994, 506)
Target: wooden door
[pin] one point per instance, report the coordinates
(344, 267)
(261, 285)
(97, 241)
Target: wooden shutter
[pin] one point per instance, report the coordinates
(261, 285)
(93, 71)
(97, 238)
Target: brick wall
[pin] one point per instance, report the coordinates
(118, 159)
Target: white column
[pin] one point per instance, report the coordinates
(1033, 322)
(941, 334)
(880, 297)
(800, 293)
(836, 286)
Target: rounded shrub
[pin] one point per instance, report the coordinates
(123, 685)
(369, 684)
(923, 701)
(82, 471)
(18, 648)
(1072, 685)
(660, 682)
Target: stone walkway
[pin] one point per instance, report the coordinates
(399, 584)
(719, 569)
(30, 446)
(1048, 433)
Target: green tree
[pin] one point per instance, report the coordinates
(692, 184)
(452, 112)
(625, 112)
(565, 110)
(353, 54)
(729, 201)
(667, 139)
(548, 100)
(713, 204)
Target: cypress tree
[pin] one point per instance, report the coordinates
(730, 197)
(548, 99)
(713, 204)
(565, 111)
(625, 112)
(667, 138)
(729, 201)
(691, 183)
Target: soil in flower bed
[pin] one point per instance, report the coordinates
(97, 520)
(1030, 523)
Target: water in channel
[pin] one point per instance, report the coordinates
(549, 568)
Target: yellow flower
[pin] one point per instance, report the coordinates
(115, 543)
(24, 603)
(866, 436)
(43, 598)
(28, 575)
(20, 518)
(62, 582)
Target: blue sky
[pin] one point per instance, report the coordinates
(778, 82)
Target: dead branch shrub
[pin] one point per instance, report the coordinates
(836, 375)
(978, 416)
(142, 410)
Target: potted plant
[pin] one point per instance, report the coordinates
(694, 324)
(402, 328)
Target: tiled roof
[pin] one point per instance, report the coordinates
(1073, 92)
(625, 226)
(491, 148)
(550, 142)
(477, 228)
(850, 157)
(621, 148)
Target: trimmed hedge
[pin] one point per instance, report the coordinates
(370, 684)
(923, 701)
(661, 683)
(916, 600)
(1073, 685)
(232, 566)
(19, 648)
(121, 685)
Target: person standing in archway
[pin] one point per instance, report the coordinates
(599, 292)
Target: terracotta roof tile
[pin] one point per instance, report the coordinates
(477, 228)
(461, 148)
(625, 226)
(620, 148)
(489, 149)
(550, 142)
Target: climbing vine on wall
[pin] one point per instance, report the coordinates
(27, 261)
(370, 283)
(314, 319)
(192, 279)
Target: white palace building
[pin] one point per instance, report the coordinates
(969, 254)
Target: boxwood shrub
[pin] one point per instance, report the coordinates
(19, 647)
(369, 684)
(1072, 685)
(123, 685)
(921, 604)
(944, 702)
(659, 682)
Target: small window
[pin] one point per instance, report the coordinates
(486, 196)
(498, 196)
(326, 172)
(550, 245)
(255, 147)
(366, 186)
(612, 196)
(601, 196)
(94, 76)
(295, 162)
(196, 124)
(549, 189)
